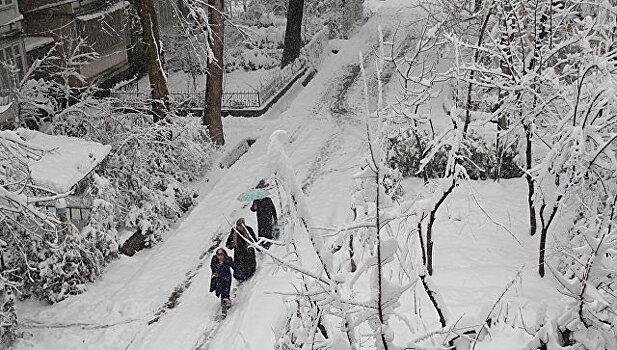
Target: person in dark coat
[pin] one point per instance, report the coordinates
(244, 254)
(266, 217)
(220, 283)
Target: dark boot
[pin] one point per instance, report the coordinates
(225, 304)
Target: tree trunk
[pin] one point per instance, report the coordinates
(541, 258)
(293, 32)
(429, 228)
(380, 292)
(546, 224)
(530, 187)
(472, 74)
(354, 267)
(502, 126)
(543, 233)
(421, 239)
(154, 59)
(214, 84)
(431, 295)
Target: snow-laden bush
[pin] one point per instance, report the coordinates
(302, 320)
(339, 16)
(101, 226)
(255, 48)
(40, 254)
(585, 266)
(63, 264)
(270, 37)
(590, 314)
(8, 318)
(249, 60)
(150, 165)
(577, 189)
(52, 263)
(407, 148)
(100, 233)
(264, 13)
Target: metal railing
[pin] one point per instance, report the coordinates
(231, 100)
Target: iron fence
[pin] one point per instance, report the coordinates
(231, 100)
(241, 99)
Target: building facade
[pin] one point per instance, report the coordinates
(12, 56)
(102, 24)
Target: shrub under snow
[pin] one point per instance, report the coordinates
(407, 148)
(8, 318)
(150, 166)
(39, 254)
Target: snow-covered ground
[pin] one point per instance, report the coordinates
(159, 298)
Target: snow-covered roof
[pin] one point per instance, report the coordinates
(100, 14)
(6, 107)
(67, 159)
(52, 5)
(35, 42)
(19, 18)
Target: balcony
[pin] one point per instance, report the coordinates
(86, 7)
(63, 7)
(10, 17)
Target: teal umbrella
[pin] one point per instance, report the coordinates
(251, 195)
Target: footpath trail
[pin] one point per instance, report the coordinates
(326, 148)
(159, 299)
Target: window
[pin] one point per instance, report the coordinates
(6, 2)
(11, 55)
